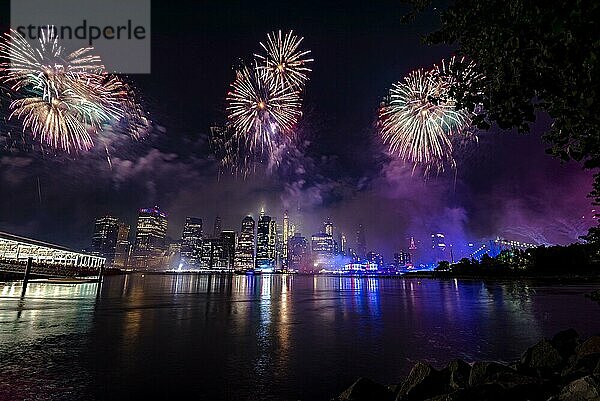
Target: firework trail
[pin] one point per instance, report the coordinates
(64, 99)
(420, 121)
(284, 62)
(535, 234)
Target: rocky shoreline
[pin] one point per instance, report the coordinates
(564, 368)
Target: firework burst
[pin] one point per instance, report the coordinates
(44, 69)
(284, 62)
(264, 106)
(64, 99)
(420, 120)
(57, 123)
(260, 112)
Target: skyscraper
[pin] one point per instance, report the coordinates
(412, 248)
(149, 247)
(244, 253)
(375, 258)
(217, 228)
(285, 239)
(361, 242)
(123, 247)
(328, 227)
(266, 238)
(104, 239)
(438, 247)
(343, 244)
(228, 244)
(322, 248)
(212, 254)
(402, 259)
(299, 259)
(191, 242)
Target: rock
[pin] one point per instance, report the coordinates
(517, 386)
(366, 390)
(589, 347)
(585, 361)
(542, 359)
(597, 369)
(456, 374)
(422, 382)
(566, 342)
(484, 372)
(585, 389)
(483, 392)
(445, 397)
(581, 367)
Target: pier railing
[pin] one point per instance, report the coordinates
(47, 270)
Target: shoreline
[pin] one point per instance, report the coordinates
(411, 275)
(422, 275)
(563, 368)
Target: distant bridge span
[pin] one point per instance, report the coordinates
(494, 247)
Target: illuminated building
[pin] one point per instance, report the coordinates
(438, 246)
(123, 247)
(328, 227)
(228, 251)
(207, 253)
(217, 228)
(361, 267)
(212, 254)
(191, 242)
(16, 249)
(376, 259)
(361, 242)
(402, 259)
(343, 244)
(413, 248)
(104, 239)
(285, 239)
(244, 253)
(299, 258)
(352, 254)
(149, 248)
(322, 249)
(266, 238)
(173, 257)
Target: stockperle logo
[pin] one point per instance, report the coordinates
(117, 30)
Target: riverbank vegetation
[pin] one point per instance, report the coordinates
(574, 259)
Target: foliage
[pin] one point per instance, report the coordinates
(572, 259)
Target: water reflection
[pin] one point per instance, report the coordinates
(262, 337)
(38, 334)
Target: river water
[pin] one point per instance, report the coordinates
(278, 337)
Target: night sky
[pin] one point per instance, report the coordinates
(504, 185)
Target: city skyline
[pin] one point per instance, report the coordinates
(259, 245)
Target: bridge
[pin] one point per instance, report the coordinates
(494, 247)
(44, 259)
